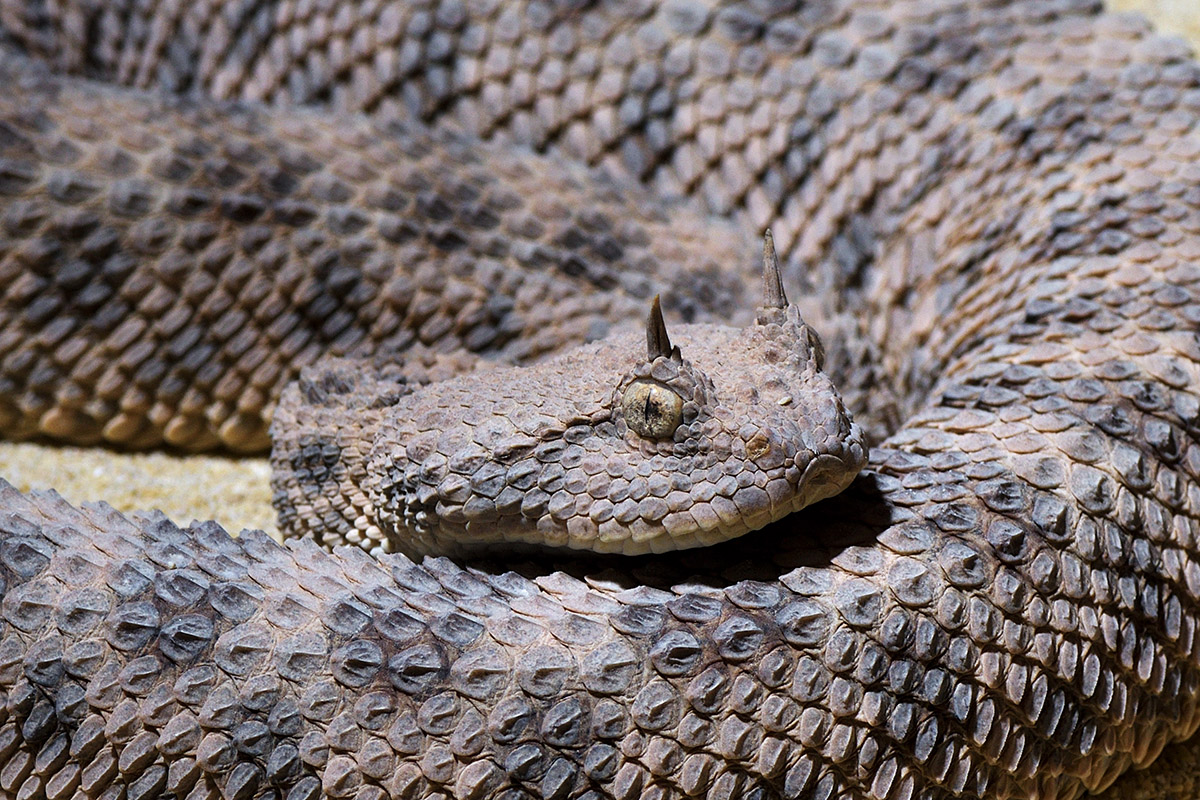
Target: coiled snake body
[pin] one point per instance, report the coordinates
(991, 209)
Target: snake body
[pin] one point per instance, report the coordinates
(994, 207)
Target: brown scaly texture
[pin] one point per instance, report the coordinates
(1005, 605)
(167, 269)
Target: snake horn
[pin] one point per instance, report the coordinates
(658, 343)
(773, 294)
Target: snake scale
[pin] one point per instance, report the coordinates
(990, 209)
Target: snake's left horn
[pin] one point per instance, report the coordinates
(658, 343)
(773, 294)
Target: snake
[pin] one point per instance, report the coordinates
(491, 270)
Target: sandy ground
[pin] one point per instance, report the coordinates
(236, 492)
(1170, 16)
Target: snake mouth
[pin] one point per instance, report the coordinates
(659, 513)
(721, 519)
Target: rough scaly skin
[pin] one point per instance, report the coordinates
(167, 268)
(1006, 604)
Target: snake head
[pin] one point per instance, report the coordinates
(616, 446)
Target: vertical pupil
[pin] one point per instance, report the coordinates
(651, 410)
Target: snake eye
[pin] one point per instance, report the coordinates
(651, 410)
